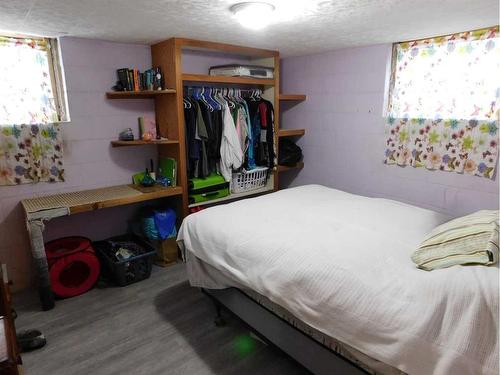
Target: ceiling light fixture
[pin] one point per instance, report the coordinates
(253, 14)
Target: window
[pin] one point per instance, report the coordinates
(449, 77)
(443, 103)
(32, 103)
(31, 83)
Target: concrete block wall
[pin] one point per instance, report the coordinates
(89, 160)
(344, 141)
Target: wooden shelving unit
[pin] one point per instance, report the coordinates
(142, 143)
(291, 132)
(284, 168)
(228, 80)
(292, 97)
(138, 94)
(170, 112)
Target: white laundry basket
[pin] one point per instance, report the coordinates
(249, 180)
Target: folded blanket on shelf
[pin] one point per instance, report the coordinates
(471, 239)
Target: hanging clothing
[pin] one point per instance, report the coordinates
(226, 131)
(201, 169)
(262, 125)
(231, 154)
(192, 146)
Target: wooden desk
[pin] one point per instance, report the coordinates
(41, 209)
(10, 359)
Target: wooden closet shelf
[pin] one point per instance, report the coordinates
(291, 132)
(228, 80)
(138, 94)
(141, 143)
(292, 97)
(236, 196)
(203, 45)
(284, 168)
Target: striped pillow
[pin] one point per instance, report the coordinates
(471, 239)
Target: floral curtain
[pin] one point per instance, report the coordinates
(30, 142)
(443, 110)
(30, 153)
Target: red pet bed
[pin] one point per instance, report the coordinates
(73, 265)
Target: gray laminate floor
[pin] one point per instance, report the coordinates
(157, 326)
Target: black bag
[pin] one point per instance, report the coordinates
(289, 153)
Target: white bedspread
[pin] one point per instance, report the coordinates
(341, 263)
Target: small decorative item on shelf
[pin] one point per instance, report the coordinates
(165, 177)
(162, 180)
(118, 87)
(158, 81)
(126, 135)
(147, 136)
(148, 180)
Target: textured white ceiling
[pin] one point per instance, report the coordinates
(318, 26)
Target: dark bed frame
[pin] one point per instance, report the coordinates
(314, 356)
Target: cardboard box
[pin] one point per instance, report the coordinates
(166, 252)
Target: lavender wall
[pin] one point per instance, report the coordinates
(90, 162)
(344, 141)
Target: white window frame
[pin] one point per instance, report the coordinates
(56, 71)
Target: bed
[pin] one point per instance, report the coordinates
(340, 265)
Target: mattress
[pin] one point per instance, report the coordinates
(341, 264)
(203, 275)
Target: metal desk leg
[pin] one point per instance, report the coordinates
(35, 230)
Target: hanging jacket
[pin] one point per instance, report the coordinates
(270, 138)
(249, 155)
(202, 137)
(192, 147)
(230, 149)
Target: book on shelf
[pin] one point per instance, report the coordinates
(147, 124)
(130, 80)
(123, 77)
(168, 169)
(135, 80)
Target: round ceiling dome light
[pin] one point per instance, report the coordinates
(253, 14)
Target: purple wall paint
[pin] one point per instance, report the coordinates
(344, 142)
(343, 146)
(90, 70)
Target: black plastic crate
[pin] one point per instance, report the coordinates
(130, 270)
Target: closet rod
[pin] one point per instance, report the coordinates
(225, 90)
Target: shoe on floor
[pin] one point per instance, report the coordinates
(30, 339)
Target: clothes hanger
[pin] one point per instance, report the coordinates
(204, 99)
(185, 100)
(210, 97)
(217, 98)
(231, 102)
